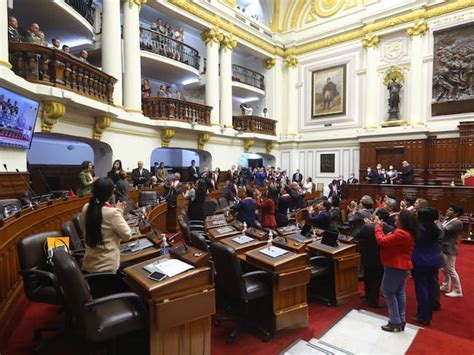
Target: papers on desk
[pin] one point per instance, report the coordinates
(226, 229)
(218, 221)
(170, 267)
(273, 252)
(242, 239)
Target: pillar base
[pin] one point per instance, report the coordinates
(394, 123)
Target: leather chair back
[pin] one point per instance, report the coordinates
(228, 271)
(184, 228)
(75, 242)
(78, 224)
(198, 241)
(32, 255)
(147, 198)
(74, 287)
(10, 202)
(210, 207)
(223, 202)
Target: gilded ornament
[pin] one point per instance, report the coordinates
(203, 139)
(269, 63)
(393, 72)
(166, 135)
(418, 29)
(211, 35)
(370, 40)
(249, 142)
(227, 42)
(135, 2)
(269, 147)
(52, 111)
(101, 124)
(469, 173)
(291, 61)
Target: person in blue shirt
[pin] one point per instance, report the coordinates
(260, 177)
(247, 208)
(322, 218)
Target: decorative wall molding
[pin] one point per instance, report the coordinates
(248, 144)
(269, 63)
(166, 135)
(370, 40)
(101, 124)
(227, 42)
(269, 147)
(52, 111)
(418, 29)
(203, 139)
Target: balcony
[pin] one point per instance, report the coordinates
(254, 124)
(248, 76)
(155, 42)
(166, 108)
(84, 8)
(47, 66)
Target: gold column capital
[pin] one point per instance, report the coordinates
(370, 40)
(228, 42)
(291, 61)
(135, 2)
(166, 135)
(211, 35)
(248, 143)
(269, 147)
(203, 139)
(269, 63)
(52, 111)
(101, 124)
(418, 29)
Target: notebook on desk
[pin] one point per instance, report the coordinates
(170, 267)
(273, 252)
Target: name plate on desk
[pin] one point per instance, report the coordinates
(242, 239)
(273, 252)
(287, 230)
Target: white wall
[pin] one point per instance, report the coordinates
(56, 152)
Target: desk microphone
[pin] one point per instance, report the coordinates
(44, 180)
(10, 179)
(30, 189)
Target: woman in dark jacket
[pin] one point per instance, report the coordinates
(197, 197)
(395, 253)
(114, 173)
(426, 260)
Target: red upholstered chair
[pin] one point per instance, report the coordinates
(469, 181)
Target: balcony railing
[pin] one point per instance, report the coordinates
(48, 66)
(248, 77)
(254, 124)
(166, 108)
(84, 8)
(155, 42)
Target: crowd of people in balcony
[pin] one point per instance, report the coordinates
(380, 175)
(163, 91)
(35, 36)
(10, 116)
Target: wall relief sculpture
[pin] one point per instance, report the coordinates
(453, 71)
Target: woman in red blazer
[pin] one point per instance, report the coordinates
(267, 208)
(395, 254)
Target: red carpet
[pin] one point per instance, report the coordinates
(452, 330)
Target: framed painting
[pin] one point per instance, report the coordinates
(328, 163)
(328, 91)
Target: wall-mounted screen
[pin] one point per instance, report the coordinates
(17, 119)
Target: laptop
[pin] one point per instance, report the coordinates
(306, 230)
(330, 238)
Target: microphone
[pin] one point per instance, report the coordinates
(10, 179)
(26, 183)
(44, 180)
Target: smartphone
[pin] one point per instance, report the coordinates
(157, 276)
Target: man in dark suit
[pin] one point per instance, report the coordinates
(140, 175)
(334, 189)
(352, 179)
(193, 171)
(358, 213)
(297, 177)
(370, 259)
(407, 173)
(232, 190)
(369, 176)
(173, 189)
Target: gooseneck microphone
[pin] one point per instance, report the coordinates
(10, 179)
(44, 180)
(27, 184)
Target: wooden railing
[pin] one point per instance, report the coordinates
(248, 76)
(254, 124)
(166, 108)
(84, 8)
(53, 67)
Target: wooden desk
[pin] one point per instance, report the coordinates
(139, 256)
(215, 222)
(242, 248)
(222, 232)
(180, 309)
(173, 213)
(345, 264)
(290, 244)
(291, 274)
(157, 216)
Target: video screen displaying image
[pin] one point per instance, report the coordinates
(17, 119)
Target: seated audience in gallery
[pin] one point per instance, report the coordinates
(140, 175)
(66, 48)
(56, 42)
(162, 91)
(32, 35)
(83, 55)
(13, 34)
(407, 173)
(115, 171)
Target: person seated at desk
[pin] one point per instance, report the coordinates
(104, 228)
(322, 218)
(246, 209)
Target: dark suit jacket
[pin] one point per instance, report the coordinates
(191, 173)
(321, 220)
(246, 209)
(232, 191)
(171, 194)
(356, 220)
(352, 181)
(140, 179)
(407, 177)
(297, 177)
(368, 247)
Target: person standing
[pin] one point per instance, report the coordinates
(196, 197)
(267, 208)
(395, 253)
(173, 189)
(86, 179)
(297, 177)
(193, 171)
(122, 187)
(407, 173)
(452, 227)
(161, 173)
(115, 171)
(246, 209)
(140, 175)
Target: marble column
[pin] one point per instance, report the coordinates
(132, 97)
(212, 38)
(112, 45)
(227, 44)
(274, 96)
(4, 34)
(372, 89)
(417, 86)
(292, 115)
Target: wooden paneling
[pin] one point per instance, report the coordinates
(11, 184)
(57, 177)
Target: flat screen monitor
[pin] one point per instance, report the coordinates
(17, 119)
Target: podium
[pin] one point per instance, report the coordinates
(180, 308)
(345, 264)
(291, 273)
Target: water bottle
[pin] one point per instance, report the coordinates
(245, 227)
(165, 248)
(270, 239)
(314, 235)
